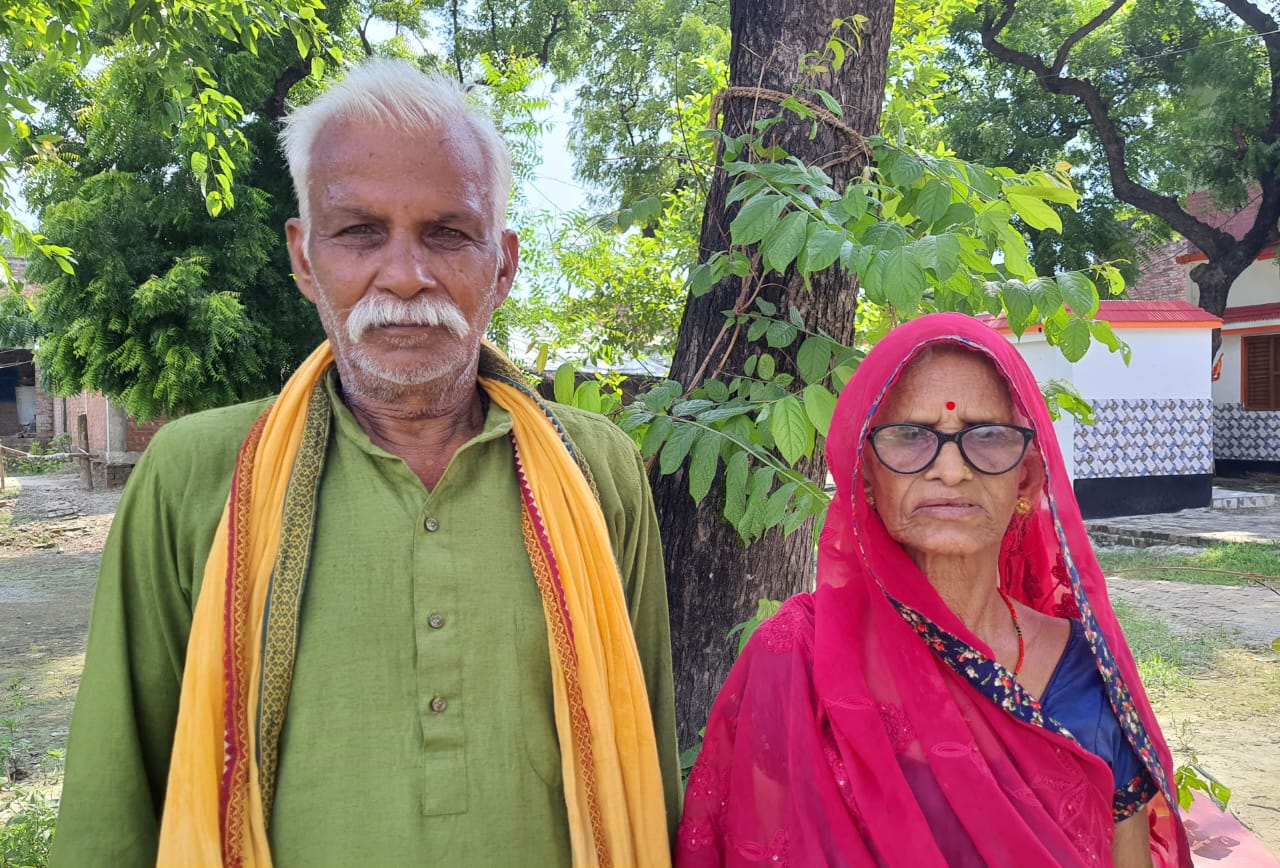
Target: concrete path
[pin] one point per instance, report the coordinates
(1250, 611)
(1192, 527)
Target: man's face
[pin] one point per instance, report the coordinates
(405, 259)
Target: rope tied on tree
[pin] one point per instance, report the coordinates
(857, 147)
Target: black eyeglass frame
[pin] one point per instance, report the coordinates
(942, 438)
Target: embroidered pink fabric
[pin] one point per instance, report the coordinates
(842, 738)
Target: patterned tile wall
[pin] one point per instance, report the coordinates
(1245, 435)
(1146, 437)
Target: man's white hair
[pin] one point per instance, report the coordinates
(393, 93)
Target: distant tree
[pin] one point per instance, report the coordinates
(1169, 97)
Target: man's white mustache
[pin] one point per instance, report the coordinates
(422, 310)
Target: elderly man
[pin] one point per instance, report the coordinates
(407, 612)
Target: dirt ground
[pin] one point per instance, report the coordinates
(49, 554)
(1224, 718)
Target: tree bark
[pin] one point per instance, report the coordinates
(713, 582)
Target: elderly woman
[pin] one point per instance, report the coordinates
(957, 690)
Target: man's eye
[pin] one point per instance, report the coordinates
(357, 229)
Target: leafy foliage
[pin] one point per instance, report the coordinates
(1149, 100)
(167, 310)
(918, 232)
(176, 44)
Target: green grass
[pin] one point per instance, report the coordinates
(1167, 659)
(1252, 558)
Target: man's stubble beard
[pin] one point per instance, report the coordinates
(443, 371)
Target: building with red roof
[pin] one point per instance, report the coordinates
(1246, 371)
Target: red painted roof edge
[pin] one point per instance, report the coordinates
(1251, 312)
(1133, 313)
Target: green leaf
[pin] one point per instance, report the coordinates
(199, 163)
(906, 171)
(1036, 212)
(1018, 305)
(814, 359)
(792, 431)
(823, 248)
(735, 488)
(661, 396)
(563, 388)
(946, 256)
(780, 334)
(820, 406)
(659, 428)
(757, 218)
(784, 242)
(842, 375)
(1074, 340)
(716, 390)
(885, 235)
(677, 447)
(933, 202)
(902, 278)
(855, 202)
(776, 506)
(766, 307)
(703, 461)
(758, 327)
(701, 279)
(766, 367)
(1078, 292)
(587, 396)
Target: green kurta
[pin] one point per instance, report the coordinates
(420, 728)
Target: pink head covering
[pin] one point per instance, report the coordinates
(865, 723)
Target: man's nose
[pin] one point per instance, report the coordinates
(406, 269)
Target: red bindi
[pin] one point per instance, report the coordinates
(951, 405)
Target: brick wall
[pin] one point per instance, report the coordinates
(140, 433)
(94, 406)
(1163, 277)
(44, 412)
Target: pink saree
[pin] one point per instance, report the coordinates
(864, 724)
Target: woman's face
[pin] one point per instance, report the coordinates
(948, 509)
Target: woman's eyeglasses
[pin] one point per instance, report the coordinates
(989, 448)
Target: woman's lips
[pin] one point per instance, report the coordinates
(945, 507)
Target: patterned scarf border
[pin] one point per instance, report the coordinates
(547, 574)
(233, 793)
(284, 593)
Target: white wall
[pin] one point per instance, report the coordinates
(1166, 363)
(1048, 363)
(1227, 389)
(1259, 284)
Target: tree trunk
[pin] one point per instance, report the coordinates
(713, 582)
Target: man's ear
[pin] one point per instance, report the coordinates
(510, 244)
(296, 235)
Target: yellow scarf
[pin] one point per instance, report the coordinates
(244, 633)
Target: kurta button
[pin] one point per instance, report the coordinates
(431, 525)
(438, 704)
(435, 620)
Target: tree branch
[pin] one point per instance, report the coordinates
(1213, 241)
(544, 56)
(1060, 59)
(1265, 26)
(274, 105)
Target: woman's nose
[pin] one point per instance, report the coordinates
(949, 466)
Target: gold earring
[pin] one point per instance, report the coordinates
(871, 500)
(1022, 507)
